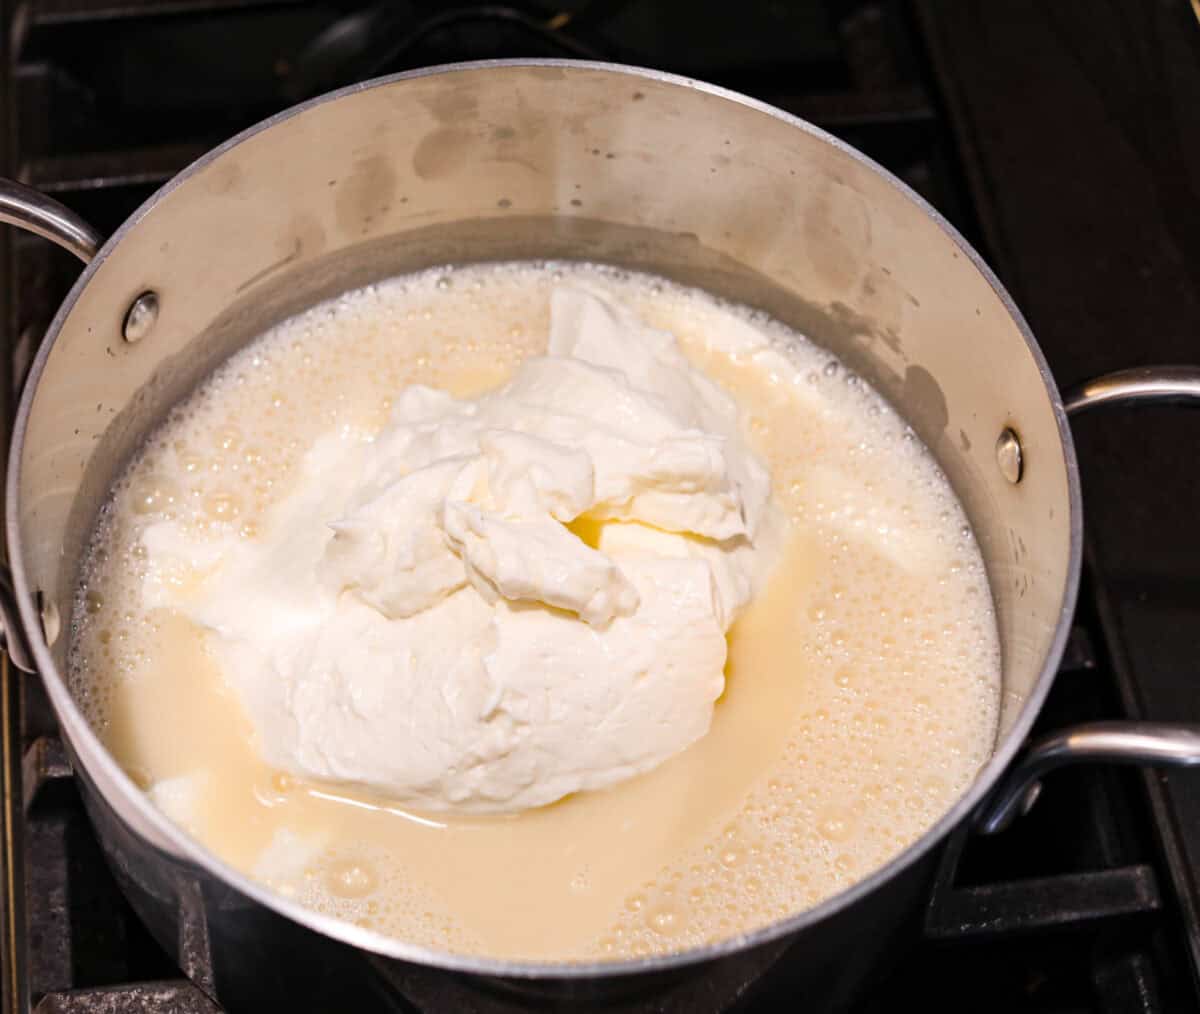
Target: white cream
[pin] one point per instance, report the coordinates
(416, 617)
(862, 680)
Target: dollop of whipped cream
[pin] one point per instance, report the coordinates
(420, 615)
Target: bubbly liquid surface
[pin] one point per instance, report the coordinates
(862, 683)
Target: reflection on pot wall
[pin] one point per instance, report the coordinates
(903, 306)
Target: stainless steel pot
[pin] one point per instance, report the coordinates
(544, 160)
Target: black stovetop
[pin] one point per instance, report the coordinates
(1059, 137)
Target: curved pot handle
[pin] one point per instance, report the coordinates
(1162, 384)
(32, 210)
(12, 634)
(1155, 744)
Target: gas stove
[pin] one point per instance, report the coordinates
(1059, 138)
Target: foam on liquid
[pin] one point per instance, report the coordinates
(862, 684)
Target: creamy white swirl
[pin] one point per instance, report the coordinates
(420, 615)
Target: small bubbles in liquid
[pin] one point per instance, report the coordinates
(665, 921)
(351, 880)
(362, 352)
(835, 827)
(153, 494)
(221, 506)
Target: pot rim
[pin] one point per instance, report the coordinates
(87, 744)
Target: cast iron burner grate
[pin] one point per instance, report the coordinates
(1071, 911)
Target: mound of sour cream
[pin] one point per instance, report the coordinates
(494, 603)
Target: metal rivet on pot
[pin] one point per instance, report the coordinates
(1031, 797)
(1009, 456)
(140, 317)
(51, 621)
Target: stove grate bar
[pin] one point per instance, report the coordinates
(172, 996)
(1042, 903)
(60, 12)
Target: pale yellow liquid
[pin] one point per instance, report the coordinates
(862, 683)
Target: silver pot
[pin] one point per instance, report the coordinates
(544, 160)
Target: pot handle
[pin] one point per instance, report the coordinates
(12, 634)
(32, 210)
(1155, 744)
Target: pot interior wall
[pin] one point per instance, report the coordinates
(582, 162)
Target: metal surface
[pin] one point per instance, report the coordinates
(44, 763)
(51, 619)
(141, 318)
(1045, 903)
(145, 998)
(12, 634)
(475, 162)
(1156, 744)
(1009, 457)
(1152, 385)
(30, 209)
(1060, 230)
